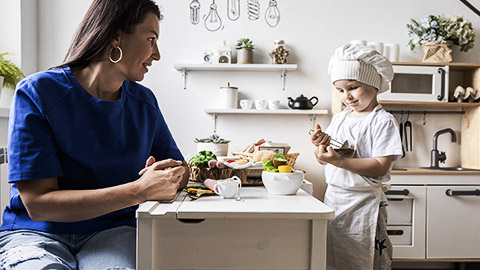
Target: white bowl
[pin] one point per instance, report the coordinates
(282, 183)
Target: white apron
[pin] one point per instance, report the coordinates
(351, 234)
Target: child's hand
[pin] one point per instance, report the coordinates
(326, 154)
(319, 137)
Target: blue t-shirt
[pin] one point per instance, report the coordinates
(57, 129)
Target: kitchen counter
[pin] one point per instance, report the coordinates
(416, 170)
(212, 233)
(419, 176)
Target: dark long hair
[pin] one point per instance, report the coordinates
(100, 26)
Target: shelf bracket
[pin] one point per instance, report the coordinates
(313, 119)
(283, 74)
(184, 75)
(214, 118)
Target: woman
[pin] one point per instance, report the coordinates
(79, 136)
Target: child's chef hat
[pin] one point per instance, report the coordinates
(361, 63)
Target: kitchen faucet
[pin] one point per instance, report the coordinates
(440, 156)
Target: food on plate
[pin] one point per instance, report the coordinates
(279, 160)
(202, 158)
(268, 166)
(220, 165)
(263, 155)
(285, 169)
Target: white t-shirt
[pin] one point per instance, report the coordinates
(381, 138)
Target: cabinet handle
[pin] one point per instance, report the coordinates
(442, 86)
(403, 192)
(475, 192)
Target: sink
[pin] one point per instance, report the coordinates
(458, 169)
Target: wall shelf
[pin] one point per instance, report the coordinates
(310, 113)
(282, 68)
(254, 111)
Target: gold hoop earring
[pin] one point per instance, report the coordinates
(110, 55)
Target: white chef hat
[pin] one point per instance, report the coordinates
(361, 63)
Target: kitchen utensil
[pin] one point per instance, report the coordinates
(282, 183)
(408, 137)
(401, 138)
(229, 97)
(302, 103)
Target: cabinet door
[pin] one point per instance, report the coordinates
(453, 222)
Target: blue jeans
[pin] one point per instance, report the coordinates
(28, 249)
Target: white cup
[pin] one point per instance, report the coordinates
(359, 41)
(274, 104)
(392, 51)
(228, 188)
(378, 46)
(260, 104)
(246, 104)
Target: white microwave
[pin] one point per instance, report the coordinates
(417, 83)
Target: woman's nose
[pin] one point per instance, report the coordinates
(156, 53)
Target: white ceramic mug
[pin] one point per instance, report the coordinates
(392, 51)
(260, 104)
(228, 188)
(359, 41)
(378, 46)
(273, 104)
(246, 104)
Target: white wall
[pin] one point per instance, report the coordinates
(311, 29)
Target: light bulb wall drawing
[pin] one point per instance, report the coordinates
(272, 15)
(195, 12)
(213, 21)
(233, 9)
(253, 9)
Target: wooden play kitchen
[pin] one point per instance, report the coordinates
(466, 74)
(430, 210)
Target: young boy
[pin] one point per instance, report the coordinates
(357, 236)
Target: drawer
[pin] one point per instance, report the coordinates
(400, 211)
(400, 235)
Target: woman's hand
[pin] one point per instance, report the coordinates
(160, 180)
(319, 137)
(326, 154)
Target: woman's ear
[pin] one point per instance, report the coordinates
(117, 39)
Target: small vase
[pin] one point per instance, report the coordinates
(437, 52)
(244, 56)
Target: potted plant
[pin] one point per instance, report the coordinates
(436, 35)
(244, 51)
(213, 143)
(10, 75)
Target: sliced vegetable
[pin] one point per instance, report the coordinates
(268, 166)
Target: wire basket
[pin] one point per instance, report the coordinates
(291, 157)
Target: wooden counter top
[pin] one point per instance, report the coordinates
(416, 170)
